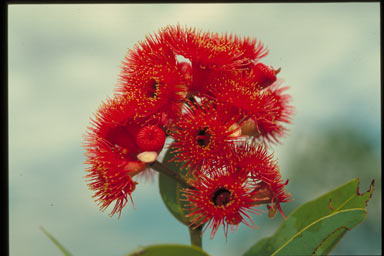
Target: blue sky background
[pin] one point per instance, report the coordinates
(65, 59)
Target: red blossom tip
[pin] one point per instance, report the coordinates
(150, 138)
(265, 75)
(223, 198)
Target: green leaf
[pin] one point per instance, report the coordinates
(169, 250)
(170, 190)
(317, 226)
(59, 246)
(330, 242)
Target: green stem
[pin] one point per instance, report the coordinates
(58, 245)
(159, 167)
(196, 237)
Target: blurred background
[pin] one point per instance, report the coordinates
(65, 59)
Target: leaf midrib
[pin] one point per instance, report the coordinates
(313, 223)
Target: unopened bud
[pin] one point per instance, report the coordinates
(150, 138)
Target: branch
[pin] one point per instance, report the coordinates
(159, 167)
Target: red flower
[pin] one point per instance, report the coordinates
(210, 52)
(264, 172)
(202, 136)
(112, 152)
(154, 80)
(232, 89)
(206, 104)
(268, 125)
(222, 198)
(211, 49)
(263, 74)
(263, 110)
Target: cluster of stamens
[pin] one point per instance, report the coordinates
(218, 108)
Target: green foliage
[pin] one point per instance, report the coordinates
(170, 190)
(317, 226)
(58, 245)
(169, 250)
(329, 157)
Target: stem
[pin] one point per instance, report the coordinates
(159, 167)
(196, 237)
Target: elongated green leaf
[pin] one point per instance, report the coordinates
(170, 190)
(59, 246)
(330, 242)
(309, 239)
(317, 226)
(169, 250)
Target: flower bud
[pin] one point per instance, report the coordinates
(265, 75)
(150, 138)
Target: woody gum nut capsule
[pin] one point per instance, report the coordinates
(147, 156)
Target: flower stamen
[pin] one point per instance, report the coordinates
(153, 88)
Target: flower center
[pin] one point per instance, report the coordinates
(203, 137)
(152, 88)
(221, 197)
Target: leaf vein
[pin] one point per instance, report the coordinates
(313, 223)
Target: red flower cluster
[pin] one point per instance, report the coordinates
(221, 106)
